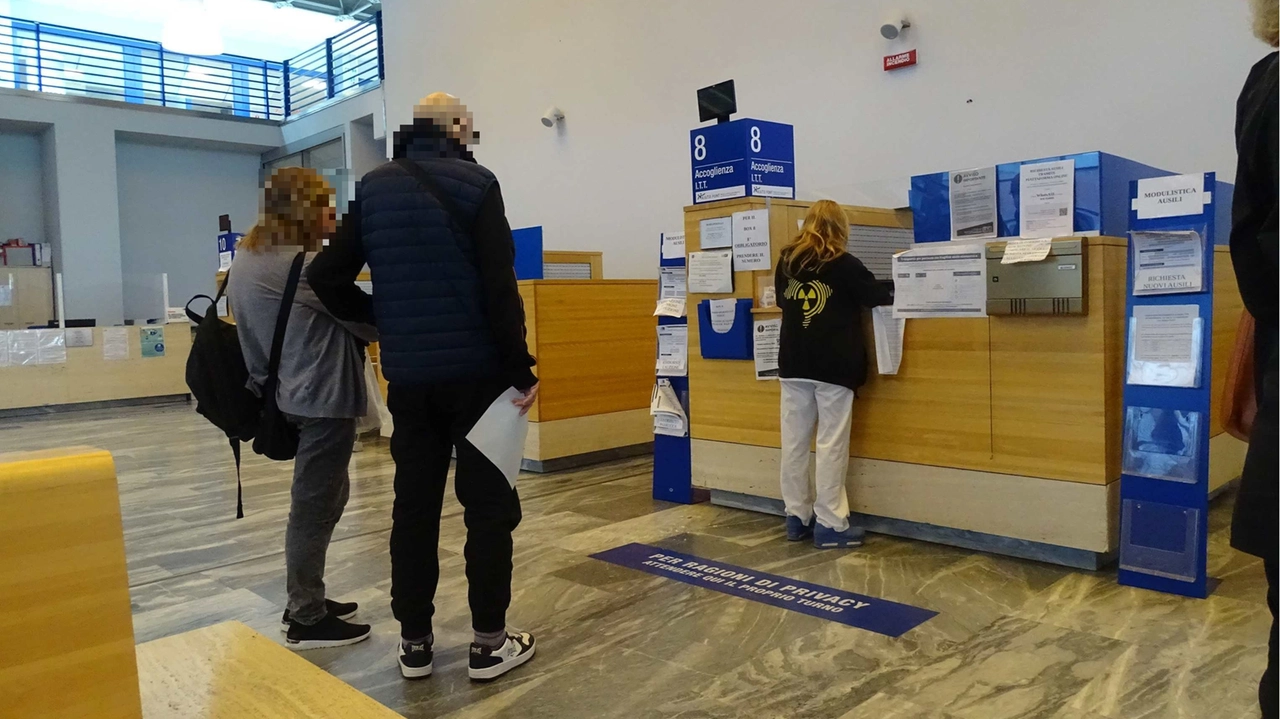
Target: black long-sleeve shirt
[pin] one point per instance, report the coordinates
(822, 320)
(333, 273)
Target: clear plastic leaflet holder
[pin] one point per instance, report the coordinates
(1162, 443)
(1177, 369)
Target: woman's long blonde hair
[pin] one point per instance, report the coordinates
(1266, 21)
(822, 238)
(296, 201)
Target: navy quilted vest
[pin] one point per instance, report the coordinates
(429, 301)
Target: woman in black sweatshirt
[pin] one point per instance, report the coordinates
(822, 290)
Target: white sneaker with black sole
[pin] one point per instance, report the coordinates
(488, 663)
(341, 610)
(328, 632)
(416, 660)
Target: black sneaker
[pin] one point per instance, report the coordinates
(415, 660)
(328, 632)
(341, 610)
(488, 664)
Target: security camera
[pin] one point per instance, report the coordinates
(891, 30)
(552, 116)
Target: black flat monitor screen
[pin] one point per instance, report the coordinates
(717, 102)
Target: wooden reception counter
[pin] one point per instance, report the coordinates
(88, 375)
(595, 341)
(999, 433)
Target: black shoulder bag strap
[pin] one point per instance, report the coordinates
(434, 190)
(212, 300)
(273, 364)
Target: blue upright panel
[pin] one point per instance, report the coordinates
(528, 242)
(743, 158)
(1164, 522)
(672, 463)
(1101, 196)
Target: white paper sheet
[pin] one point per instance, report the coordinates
(888, 332)
(176, 315)
(53, 346)
(1167, 263)
(715, 233)
(670, 307)
(766, 335)
(711, 273)
(751, 241)
(940, 279)
(80, 337)
(500, 432)
(672, 245)
(668, 414)
(722, 312)
(24, 348)
(1172, 196)
(4, 348)
(6, 289)
(673, 350)
(222, 307)
(671, 282)
(1046, 192)
(669, 425)
(1164, 345)
(973, 203)
(115, 343)
(1026, 250)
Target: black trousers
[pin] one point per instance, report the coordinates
(430, 421)
(1267, 688)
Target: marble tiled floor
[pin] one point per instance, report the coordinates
(1013, 638)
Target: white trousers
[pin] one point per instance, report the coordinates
(829, 406)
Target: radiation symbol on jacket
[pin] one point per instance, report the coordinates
(812, 296)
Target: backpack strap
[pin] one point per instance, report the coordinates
(235, 449)
(433, 189)
(213, 301)
(282, 320)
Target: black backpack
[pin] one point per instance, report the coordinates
(219, 379)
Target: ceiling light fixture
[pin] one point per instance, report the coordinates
(192, 29)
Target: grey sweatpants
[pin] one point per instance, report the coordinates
(321, 487)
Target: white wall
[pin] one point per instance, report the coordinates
(21, 187)
(82, 208)
(998, 80)
(170, 200)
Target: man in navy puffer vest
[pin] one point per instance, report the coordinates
(452, 339)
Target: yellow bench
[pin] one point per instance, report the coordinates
(67, 650)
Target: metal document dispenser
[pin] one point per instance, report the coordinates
(1053, 286)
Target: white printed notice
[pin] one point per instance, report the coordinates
(767, 336)
(670, 307)
(673, 350)
(4, 348)
(888, 331)
(722, 314)
(716, 233)
(80, 337)
(711, 273)
(1173, 196)
(940, 279)
(751, 241)
(673, 245)
(1047, 199)
(1164, 345)
(1167, 263)
(671, 283)
(115, 343)
(973, 204)
(53, 347)
(1024, 250)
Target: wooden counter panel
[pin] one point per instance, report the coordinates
(1227, 307)
(68, 631)
(1050, 387)
(596, 344)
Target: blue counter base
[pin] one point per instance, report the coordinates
(978, 541)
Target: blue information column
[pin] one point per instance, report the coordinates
(1164, 481)
(672, 460)
(743, 158)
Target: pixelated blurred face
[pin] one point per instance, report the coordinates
(297, 209)
(448, 112)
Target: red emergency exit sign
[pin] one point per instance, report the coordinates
(901, 60)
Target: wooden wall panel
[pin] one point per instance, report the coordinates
(1227, 307)
(597, 345)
